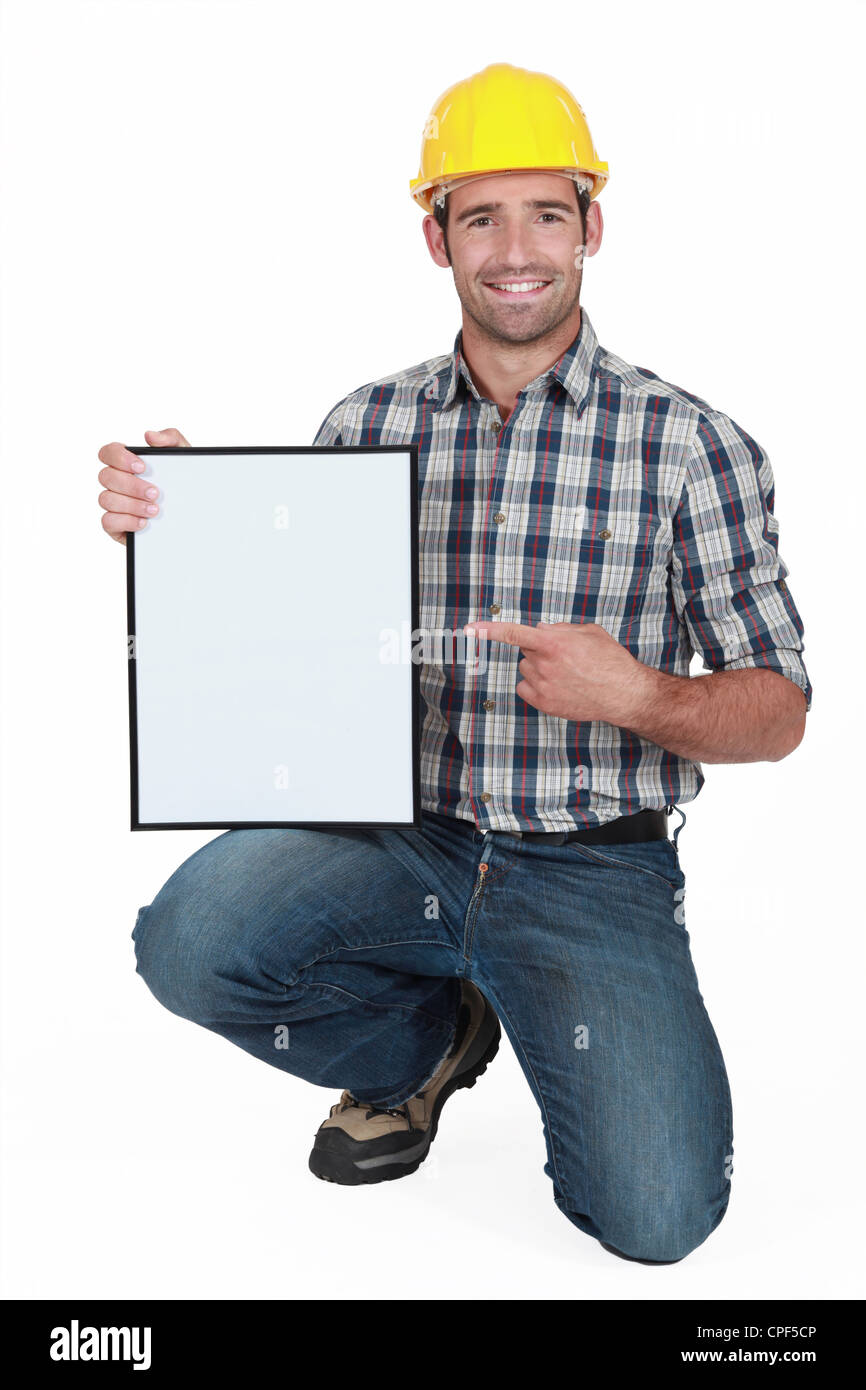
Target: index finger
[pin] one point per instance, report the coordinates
(515, 634)
(118, 456)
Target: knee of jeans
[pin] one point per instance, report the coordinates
(664, 1239)
(668, 1238)
(187, 962)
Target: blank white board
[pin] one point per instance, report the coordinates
(261, 607)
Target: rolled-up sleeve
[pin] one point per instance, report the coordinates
(727, 576)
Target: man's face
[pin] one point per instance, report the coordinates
(516, 229)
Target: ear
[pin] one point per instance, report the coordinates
(435, 238)
(594, 228)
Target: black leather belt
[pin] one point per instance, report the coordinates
(643, 825)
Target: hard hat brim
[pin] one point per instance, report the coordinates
(421, 190)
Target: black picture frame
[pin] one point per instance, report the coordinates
(136, 821)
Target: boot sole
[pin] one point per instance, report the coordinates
(349, 1172)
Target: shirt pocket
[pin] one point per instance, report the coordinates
(604, 564)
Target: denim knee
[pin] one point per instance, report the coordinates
(668, 1242)
(186, 962)
(667, 1239)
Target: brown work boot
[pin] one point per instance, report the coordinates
(361, 1143)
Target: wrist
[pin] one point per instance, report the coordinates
(649, 692)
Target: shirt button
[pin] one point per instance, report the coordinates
(605, 534)
(489, 704)
(494, 608)
(496, 426)
(499, 518)
(485, 797)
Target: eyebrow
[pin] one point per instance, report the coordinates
(536, 203)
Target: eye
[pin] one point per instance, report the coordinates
(554, 215)
(477, 220)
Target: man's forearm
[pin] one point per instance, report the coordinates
(749, 716)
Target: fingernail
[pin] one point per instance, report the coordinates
(152, 492)
(138, 466)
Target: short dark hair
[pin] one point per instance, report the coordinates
(440, 212)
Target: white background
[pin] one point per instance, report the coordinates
(207, 224)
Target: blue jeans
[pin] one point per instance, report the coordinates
(337, 956)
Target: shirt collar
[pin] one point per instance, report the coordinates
(573, 371)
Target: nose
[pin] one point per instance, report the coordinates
(516, 254)
(516, 245)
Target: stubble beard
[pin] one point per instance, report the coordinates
(507, 326)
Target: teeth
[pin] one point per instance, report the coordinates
(522, 287)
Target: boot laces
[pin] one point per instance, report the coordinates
(400, 1112)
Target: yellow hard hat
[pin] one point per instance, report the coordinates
(502, 120)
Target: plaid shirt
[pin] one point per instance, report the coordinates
(608, 496)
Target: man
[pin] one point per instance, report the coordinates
(598, 526)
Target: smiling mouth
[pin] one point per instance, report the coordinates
(517, 289)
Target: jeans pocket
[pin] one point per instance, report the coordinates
(659, 858)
